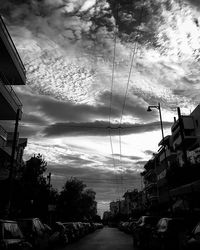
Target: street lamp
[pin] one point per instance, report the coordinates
(149, 109)
(161, 125)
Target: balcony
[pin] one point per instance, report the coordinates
(10, 62)
(169, 155)
(188, 123)
(151, 186)
(153, 197)
(3, 137)
(150, 174)
(189, 140)
(9, 102)
(3, 142)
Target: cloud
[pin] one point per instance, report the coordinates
(127, 157)
(99, 128)
(76, 160)
(67, 48)
(107, 184)
(149, 152)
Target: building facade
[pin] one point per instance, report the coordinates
(12, 73)
(172, 176)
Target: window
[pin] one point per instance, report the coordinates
(197, 229)
(39, 228)
(12, 231)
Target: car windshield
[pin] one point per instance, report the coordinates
(12, 231)
(26, 225)
(197, 229)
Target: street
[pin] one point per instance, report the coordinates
(103, 239)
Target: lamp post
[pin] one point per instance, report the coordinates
(159, 109)
(161, 125)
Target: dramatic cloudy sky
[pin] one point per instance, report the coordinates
(78, 52)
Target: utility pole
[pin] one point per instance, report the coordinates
(181, 125)
(49, 180)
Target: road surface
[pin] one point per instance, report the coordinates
(103, 239)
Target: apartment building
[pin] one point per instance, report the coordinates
(114, 208)
(150, 181)
(173, 174)
(12, 72)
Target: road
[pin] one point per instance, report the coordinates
(103, 239)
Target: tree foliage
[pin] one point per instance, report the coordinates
(32, 194)
(76, 202)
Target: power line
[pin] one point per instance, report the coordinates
(111, 91)
(126, 92)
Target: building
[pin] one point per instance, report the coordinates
(106, 216)
(150, 181)
(172, 176)
(131, 201)
(114, 208)
(12, 73)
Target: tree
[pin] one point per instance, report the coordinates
(75, 203)
(31, 195)
(88, 204)
(34, 169)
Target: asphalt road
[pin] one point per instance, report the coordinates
(103, 239)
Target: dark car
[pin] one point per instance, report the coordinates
(11, 236)
(169, 234)
(193, 239)
(58, 235)
(71, 231)
(142, 231)
(35, 232)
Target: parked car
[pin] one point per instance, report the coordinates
(193, 239)
(142, 231)
(71, 231)
(58, 235)
(11, 236)
(169, 234)
(98, 225)
(35, 232)
(81, 229)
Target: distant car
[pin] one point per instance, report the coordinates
(193, 239)
(142, 230)
(11, 236)
(169, 234)
(98, 225)
(35, 232)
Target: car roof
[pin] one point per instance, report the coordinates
(28, 219)
(8, 221)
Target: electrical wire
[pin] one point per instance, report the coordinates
(111, 93)
(134, 52)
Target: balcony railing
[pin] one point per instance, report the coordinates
(188, 140)
(3, 133)
(10, 91)
(151, 185)
(153, 197)
(150, 174)
(169, 155)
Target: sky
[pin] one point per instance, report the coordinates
(93, 67)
